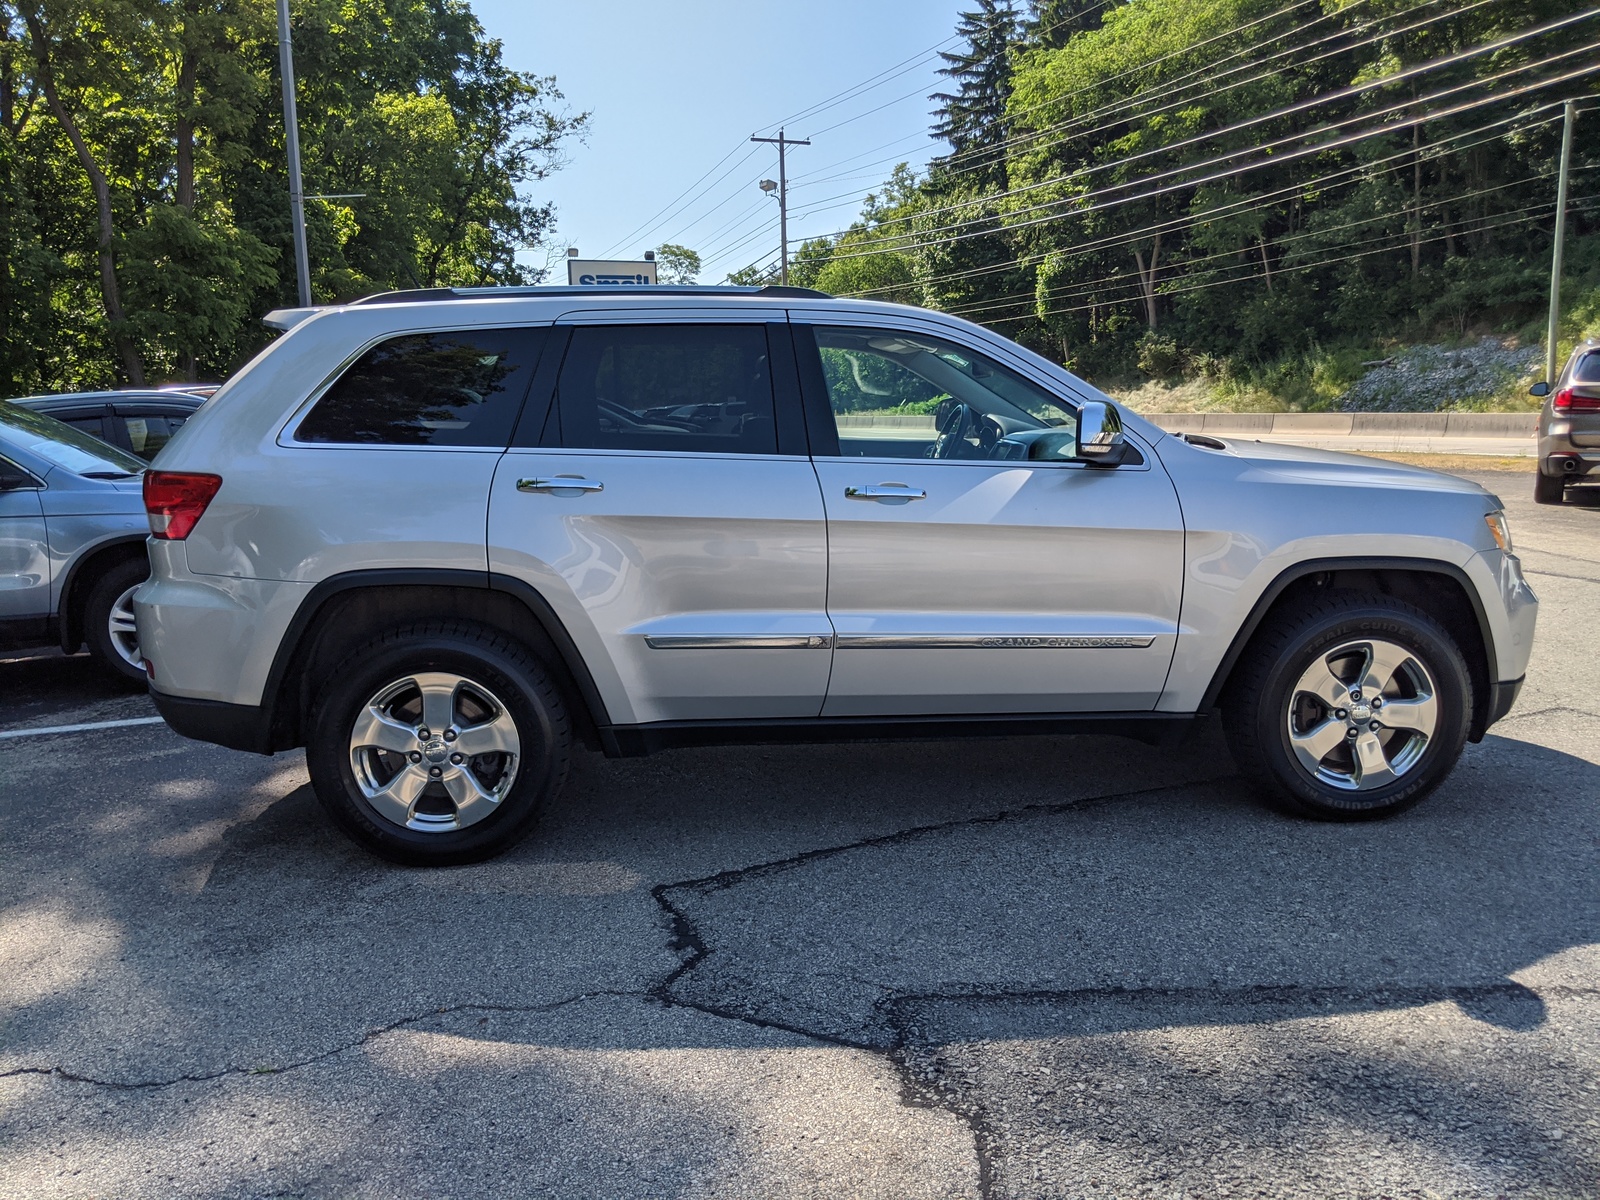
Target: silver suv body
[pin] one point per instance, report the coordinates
(435, 537)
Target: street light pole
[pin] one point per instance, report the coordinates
(291, 128)
(1550, 364)
(783, 198)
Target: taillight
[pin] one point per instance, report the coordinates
(1567, 401)
(175, 500)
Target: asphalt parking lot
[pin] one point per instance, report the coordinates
(1067, 967)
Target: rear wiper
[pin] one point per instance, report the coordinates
(111, 474)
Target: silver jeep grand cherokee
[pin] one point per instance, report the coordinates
(436, 537)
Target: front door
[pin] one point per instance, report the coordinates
(974, 566)
(670, 516)
(24, 557)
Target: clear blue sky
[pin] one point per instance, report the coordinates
(674, 87)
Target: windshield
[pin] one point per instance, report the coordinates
(64, 446)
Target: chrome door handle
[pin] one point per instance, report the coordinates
(885, 491)
(559, 482)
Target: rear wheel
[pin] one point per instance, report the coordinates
(1548, 489)
(1355, 708)
(438, 743)
(108, 619)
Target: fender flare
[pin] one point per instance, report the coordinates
(295, 638)
(1317, 566)
(68, 627)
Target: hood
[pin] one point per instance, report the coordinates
(1303, 464)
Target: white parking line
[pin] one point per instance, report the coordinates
(16, 733)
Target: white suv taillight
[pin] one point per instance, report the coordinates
(175, 500)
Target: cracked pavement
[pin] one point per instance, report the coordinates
(1069, 966)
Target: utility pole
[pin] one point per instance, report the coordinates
(1550, 364)
(783, 197)
(291, 129)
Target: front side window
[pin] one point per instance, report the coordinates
(911, 395)
(694, 389)
(462, 388)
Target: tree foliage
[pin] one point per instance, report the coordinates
(146, 217)
(1225, 180)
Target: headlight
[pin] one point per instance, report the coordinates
(1500, 528)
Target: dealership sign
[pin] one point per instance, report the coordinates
(598, 273)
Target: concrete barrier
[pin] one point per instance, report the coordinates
(1498, 425)
(1505, 434)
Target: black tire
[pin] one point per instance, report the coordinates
(103, 597)
(1548, 489)
(1257, 708)
(504, 671)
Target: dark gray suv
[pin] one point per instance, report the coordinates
(1569, 424)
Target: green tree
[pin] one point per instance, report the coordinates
(145, 213)
(676, 264)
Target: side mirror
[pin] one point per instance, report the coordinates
(1099, 434)
(1539, 389)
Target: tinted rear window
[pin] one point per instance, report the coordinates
(432, 389)
(694, 389)
(1587, 369)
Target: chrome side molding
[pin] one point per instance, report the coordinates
(962, 641)
(738, 641)
(896, 641)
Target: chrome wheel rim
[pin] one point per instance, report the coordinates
(1362, 714)
(124, 633)
(434, 752)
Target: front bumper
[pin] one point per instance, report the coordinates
(236, 726)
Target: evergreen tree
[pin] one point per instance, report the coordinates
(1053, 22)
(972, 117)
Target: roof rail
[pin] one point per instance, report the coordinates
(420, 295)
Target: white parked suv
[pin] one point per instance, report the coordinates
(436, 537)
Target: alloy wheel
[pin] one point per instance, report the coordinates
(124, 633)
(1361, 715)
(434, 752)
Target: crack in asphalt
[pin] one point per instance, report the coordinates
(685, 939)
(917, 1091)
(298, 1064)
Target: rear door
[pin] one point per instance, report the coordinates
(667, 510)
(973, 567)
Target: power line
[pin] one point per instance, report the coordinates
(1246, 204)
(1288, 110)
(1124, 105)
(654, 222)
(1139, 98)
(1316, 148)
(1341, 258)
(1087, 287)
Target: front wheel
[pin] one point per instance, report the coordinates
(438, 743)
(1356, 707)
